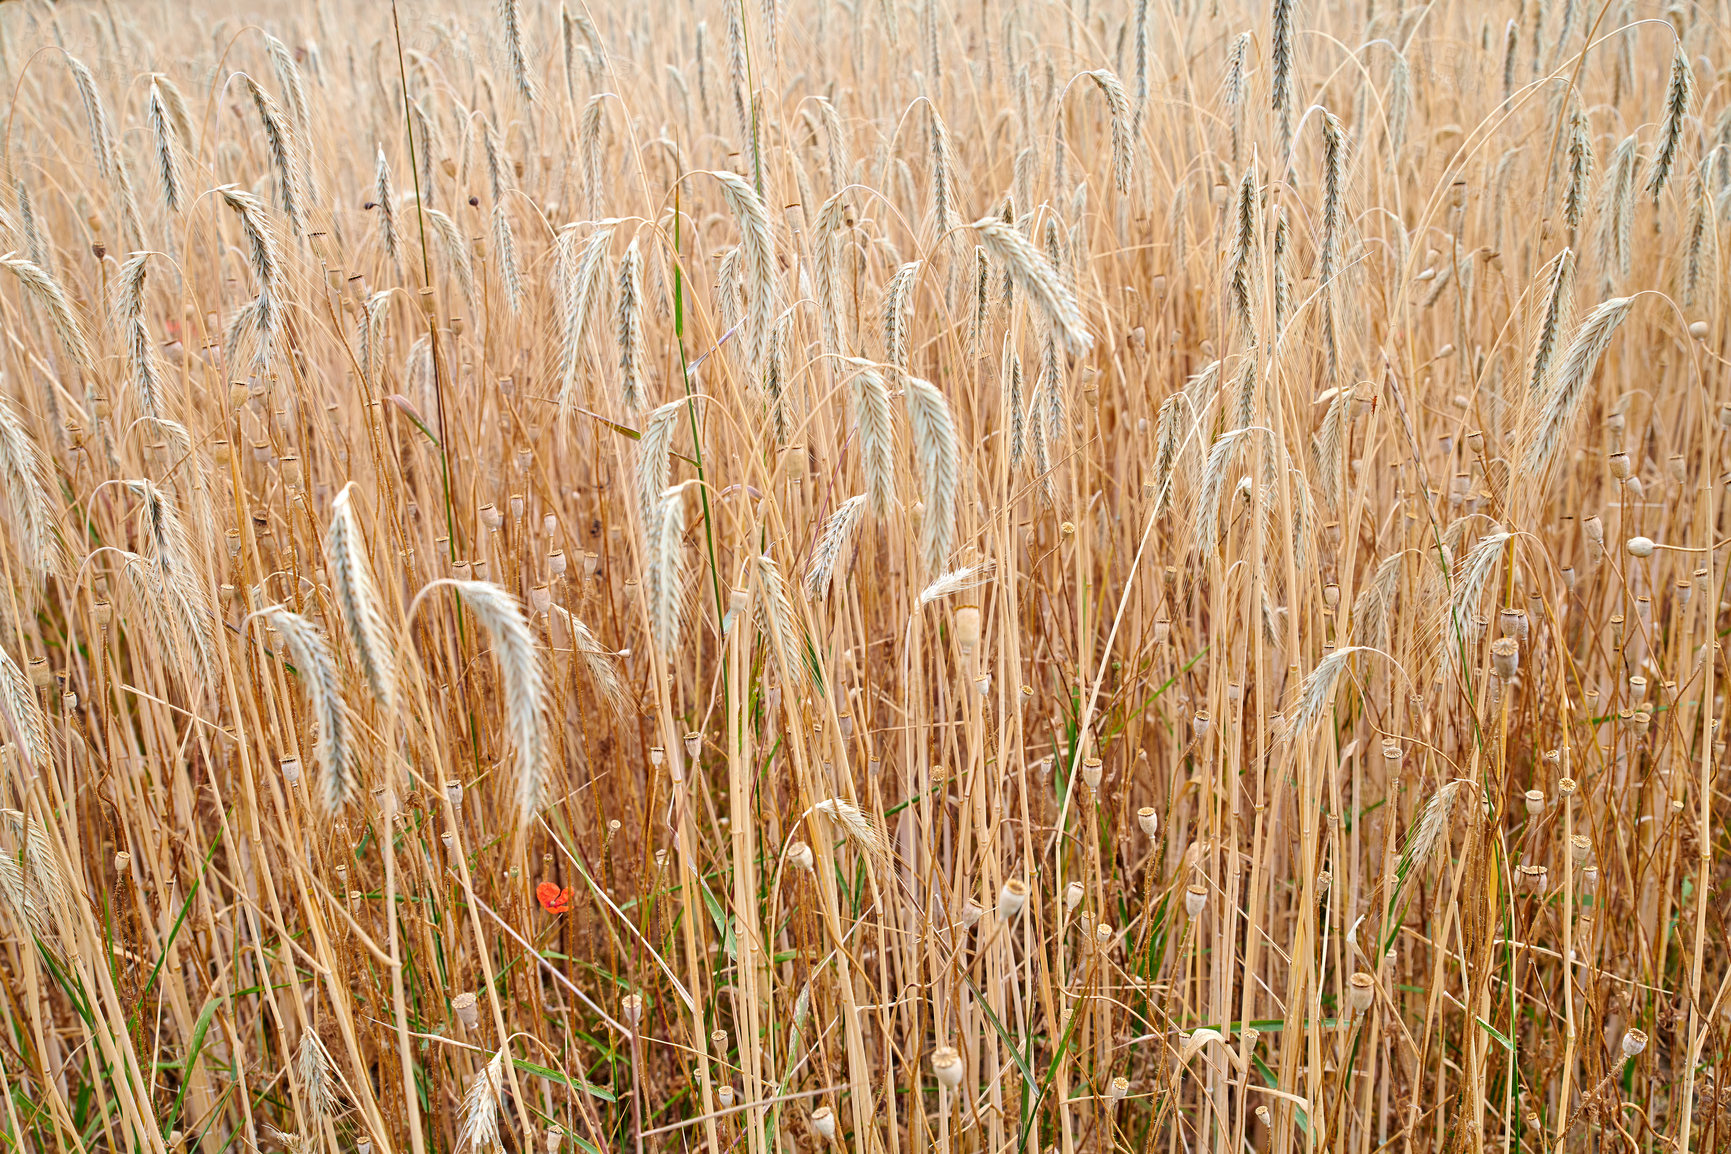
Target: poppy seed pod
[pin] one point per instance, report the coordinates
(971, 914)
(724, 1095)
(823, 1121)
(467, 1012)
(799, 854)
(1120, 1087)
(967, 629)
(1149, 820)
(1593, 528)
(1073, 895)
(1513, 623)
(1535, 801)
(1012, 898)
(1634, 1041)
(1360, 992)
(1091, 772)
(1195, 899)
(1199, 724)
(1505, 657)
(1580, 848)
(1640, 546)
(631, 1008)
(693, 745)
(291, 770)
(947, 1066)
(1620, 467)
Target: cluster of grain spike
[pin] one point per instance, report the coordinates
(897, 576)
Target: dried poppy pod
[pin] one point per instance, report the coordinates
(1073, 895)
(1012, 899)
(1199, 724)
(491, 519)
(1149, 820)
(291, 770)
(468, 1014)
(1092, 771)
(1535, 802)
(947, 1066)
(1620, 466)
(1195, 899)
(1640, 546)
(631, 1009)
(823, 1121)
(1580, 848)
(1360, 992)
(1120, 1087)
(799, 854)
(1634, 1041)
(1513, 623)
(967, 630)
(724, 1095)
(1505, 657)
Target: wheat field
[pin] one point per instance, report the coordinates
(1019, 578)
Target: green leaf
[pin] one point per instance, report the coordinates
(588, 1088)
(1498, 1035)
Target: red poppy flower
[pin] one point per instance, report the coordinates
(553, 899)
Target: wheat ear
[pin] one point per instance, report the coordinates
(358, 600)
(285, 159)
(519, 60)
(479, 1131)
(25, 712)
(957, 581)
(630, 328)
(938, 455)
(24, 473)
(1035, 277)
(876, 438)
(47, 293)
(525, 684)
(1573, 374)
(312, 660)
(1676, 112)
(757, 252)
(838, 533)
(664, 583)
(167, 147)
